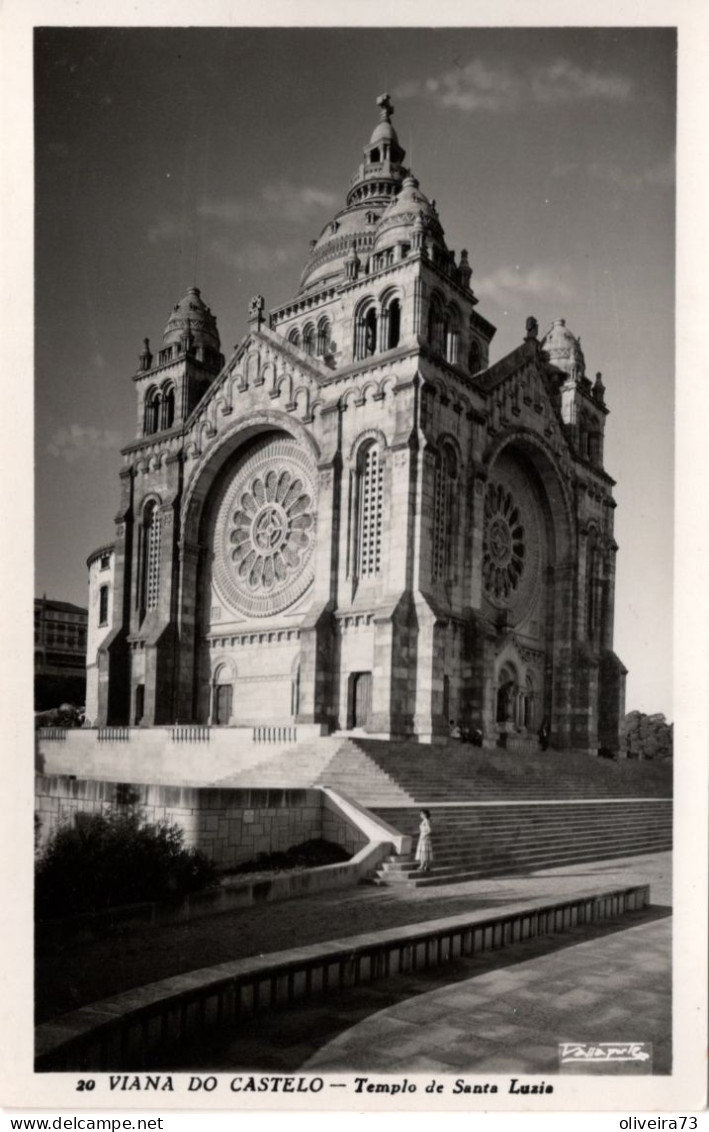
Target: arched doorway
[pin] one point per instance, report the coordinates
(361, 699)
(222, 696)
(507, 687)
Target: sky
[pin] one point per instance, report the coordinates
(171, 157)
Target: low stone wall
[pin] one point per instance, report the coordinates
(231, 826)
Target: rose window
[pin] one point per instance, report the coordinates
(503, 543)
(264, 529)
(271, 529)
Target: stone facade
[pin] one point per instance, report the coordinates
(358, 520)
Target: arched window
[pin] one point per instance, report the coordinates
(365, 332)
(309, 338)
(436, 326)
(168, 407)
(150, 573)
(475, 361)
(295, 693)
(103, 605)
(441, 549)
(294, 337)
(370, 507)
(452, 340)
(370, 332)
(391, 324)
(152, 411)
(324, 334)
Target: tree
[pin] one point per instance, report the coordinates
(645, 736)
(107, 859)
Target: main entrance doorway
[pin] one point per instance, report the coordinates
(361, 699)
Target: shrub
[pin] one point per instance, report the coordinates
(107, 859)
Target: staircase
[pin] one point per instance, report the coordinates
(494, 812)
(455, 772)
(329, 761)
(499, 839)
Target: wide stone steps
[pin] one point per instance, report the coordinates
(529, 843)
(483, 841)
(454, 849)
(323, 762)
(455, 772)
(376, 772)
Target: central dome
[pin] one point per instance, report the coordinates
(372, 188)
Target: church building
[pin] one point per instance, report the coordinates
(359, 520)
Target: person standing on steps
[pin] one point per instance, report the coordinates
(424, 849)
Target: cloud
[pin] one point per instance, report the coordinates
(507, 285)
(662, 173)
(80, 441)
(255, 255)
(279, 201)
(477, 86)
(168, 228)
(565, 82)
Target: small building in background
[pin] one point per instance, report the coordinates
(59, 653)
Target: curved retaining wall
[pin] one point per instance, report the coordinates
(127, 1031)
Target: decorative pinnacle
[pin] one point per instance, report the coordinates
(386, 107)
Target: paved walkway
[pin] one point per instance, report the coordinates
(493, 1013)
(76, 973)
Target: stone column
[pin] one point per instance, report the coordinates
(564, 677)
(392, 709)
(318, 691)
(185, 701)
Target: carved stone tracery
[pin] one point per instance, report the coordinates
(264, 533)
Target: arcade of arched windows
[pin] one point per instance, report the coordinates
(159, 412)
(444, 525)
(377, 326)
(313, 340)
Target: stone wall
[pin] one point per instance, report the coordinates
(170, 755)
(231, 826)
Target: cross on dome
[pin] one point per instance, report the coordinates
(386, 107)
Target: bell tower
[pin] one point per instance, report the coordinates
(170, 384)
